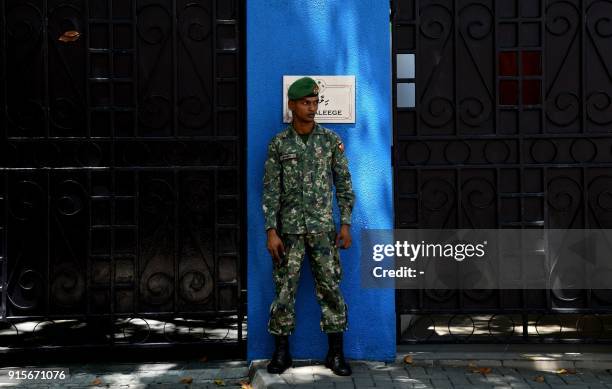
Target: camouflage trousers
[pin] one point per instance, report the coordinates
(325, 266)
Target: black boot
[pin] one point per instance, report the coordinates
(281, 359)
(335, 356)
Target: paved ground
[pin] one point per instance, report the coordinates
(460, 366)
(372, 375)
(139, 375)
(441, 366)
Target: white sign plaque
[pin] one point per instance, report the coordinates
(336, 98)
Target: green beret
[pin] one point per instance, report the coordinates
(303, 87)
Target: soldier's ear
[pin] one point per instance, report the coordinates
(291, 105)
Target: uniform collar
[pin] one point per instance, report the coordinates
(294, 135)
(316, 130)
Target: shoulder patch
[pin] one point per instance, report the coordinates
(341, 147)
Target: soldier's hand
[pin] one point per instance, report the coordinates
(344, 236)
(275, 246)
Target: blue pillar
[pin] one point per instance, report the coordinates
(322, 37)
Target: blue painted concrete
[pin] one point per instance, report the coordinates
(322, 37)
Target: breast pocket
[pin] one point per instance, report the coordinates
(291, 172)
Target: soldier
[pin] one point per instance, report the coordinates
(303, 162)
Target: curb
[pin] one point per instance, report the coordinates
(262, 379)
(545, 361)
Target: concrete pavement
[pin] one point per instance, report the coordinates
(419, 366)
(459, 366)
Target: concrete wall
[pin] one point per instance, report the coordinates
(322, 37)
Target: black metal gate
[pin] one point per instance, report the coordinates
(506, 123)
(121, 182)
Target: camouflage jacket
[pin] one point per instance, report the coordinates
(298, 179)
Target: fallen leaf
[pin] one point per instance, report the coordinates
(539, 378)
(408, 359)
(483, 370)
(245, 385)
(565, 371)
(97, 381)
(219, 382)
(186, 380)
(70, 36)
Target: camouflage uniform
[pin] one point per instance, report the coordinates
(297, 202)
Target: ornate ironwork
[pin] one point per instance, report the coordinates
(120, 175)
(511, 128)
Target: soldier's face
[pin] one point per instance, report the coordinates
(304, 109)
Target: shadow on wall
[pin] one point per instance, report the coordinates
(373, 127)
